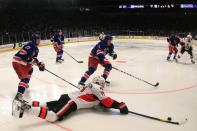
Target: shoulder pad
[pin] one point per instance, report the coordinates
(102, 44)
(31, 44)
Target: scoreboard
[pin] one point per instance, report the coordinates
(160, 6)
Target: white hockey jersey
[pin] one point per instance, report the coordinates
(101, 36)
(90, 96)
(188, 44)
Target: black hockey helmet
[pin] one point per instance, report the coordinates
(59, 30)
(35, 37)
(108, 37)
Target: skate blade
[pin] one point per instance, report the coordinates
(16, 108)
(107, 84)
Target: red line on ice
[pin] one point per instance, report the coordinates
(2, 96)
(61, 126)
(47, 82)
(54, 123)
(121, 61)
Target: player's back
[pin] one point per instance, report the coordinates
(103, 47)
(172, 40)
(99, 46)
(55, 37)
(58, 38)
(87, 97)
(27, 49)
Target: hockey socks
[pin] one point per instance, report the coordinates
(87, 74)
(43, 113)
(38, 104)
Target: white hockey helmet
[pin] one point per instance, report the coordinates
(189, 36)
(98, 80)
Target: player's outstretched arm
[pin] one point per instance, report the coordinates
(112, 53)
(110, 103)
(107, 101)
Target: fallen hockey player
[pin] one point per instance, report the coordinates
(87, 97)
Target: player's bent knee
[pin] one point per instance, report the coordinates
(108, 67)
(91, 70)
(25, 80)
(51, 116)
(31, 71)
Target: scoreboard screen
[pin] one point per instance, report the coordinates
(160, 6)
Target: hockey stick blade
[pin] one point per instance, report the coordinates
(173, 122)
(183, 122)
(80, 61)
(73, 57)
(156, 84)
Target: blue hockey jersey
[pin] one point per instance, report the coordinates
(173, 40)
(58, 39)
(27, 55)
(101, 50)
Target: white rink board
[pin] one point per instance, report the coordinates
(176, 96)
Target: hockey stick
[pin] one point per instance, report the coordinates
(135, 77)
(158, 119)
(62, 78)
(73, 57)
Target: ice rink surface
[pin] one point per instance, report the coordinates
(176, 95)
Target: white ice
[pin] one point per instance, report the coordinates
(176, 95)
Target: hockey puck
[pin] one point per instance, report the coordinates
(169, 118)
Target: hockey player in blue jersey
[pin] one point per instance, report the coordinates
(23, 62)
(58, 41)
(173, 41)
(97, 56)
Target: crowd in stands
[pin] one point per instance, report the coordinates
(16, 28)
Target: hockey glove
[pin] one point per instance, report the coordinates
(114, 56)
(123, 108)
(41, 66)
